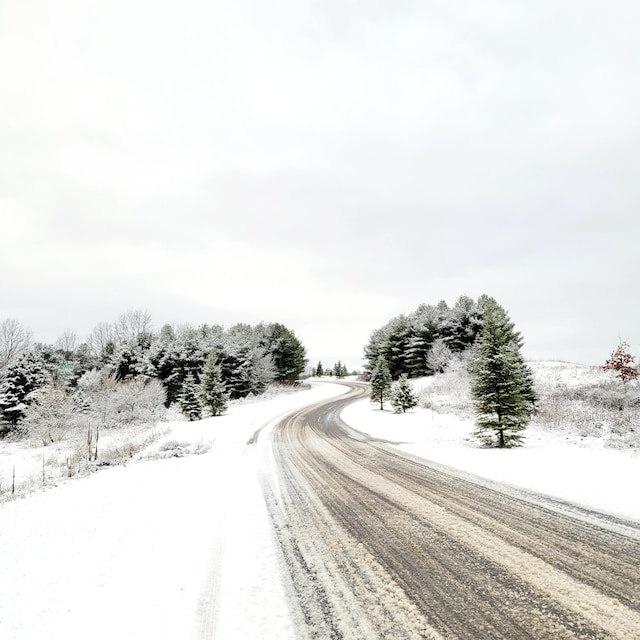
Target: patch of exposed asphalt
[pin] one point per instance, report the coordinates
(380, 545)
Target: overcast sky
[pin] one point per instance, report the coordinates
(324, 164)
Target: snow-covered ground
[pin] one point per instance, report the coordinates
(172, 548)
(182, 547)
(557, 465)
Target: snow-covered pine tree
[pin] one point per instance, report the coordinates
(21, 379)
(287, 351)
(340, 370)
(213, 389)
(502, 383)
(189, 399)
(319, 372)
(403, 396)
(380, 382)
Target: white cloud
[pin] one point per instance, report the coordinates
(359, 160)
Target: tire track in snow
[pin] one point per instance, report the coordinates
(470, 563)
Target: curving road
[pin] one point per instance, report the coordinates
(381, 545)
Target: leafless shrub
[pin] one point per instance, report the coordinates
(14, 339)
(572, 399)
(114, 404)
(178, 449)
(590, 405)
(439, 356)
(449, 392)
(51, 416)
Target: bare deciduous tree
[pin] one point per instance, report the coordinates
(14, 339)
(112, 404)
(132, 325)
(439, 356)
(102, 335)
(51, 415)
(67, 342)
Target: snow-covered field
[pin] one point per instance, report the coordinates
(182, 547)
(162, 549)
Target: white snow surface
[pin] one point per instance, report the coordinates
(563, 466)
(174, 548)
(182, 547)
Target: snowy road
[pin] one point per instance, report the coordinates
(369, 542)
(381, 545)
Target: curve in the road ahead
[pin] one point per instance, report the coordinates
(380, 545)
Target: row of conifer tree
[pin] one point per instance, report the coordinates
(423, 343)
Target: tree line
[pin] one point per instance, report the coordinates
(423, 343)
(196, 368)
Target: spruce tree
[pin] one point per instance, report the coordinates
(502, 383)
(23, 377)
(287, 352)
(214, 393)
(403, 396)
(380, 382)
(319, 370)
(189, 399)
(339, 370)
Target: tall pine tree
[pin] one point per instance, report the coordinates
(20, 380)
(380, 382)
(502, 386)
(214, 393)
(189, 398)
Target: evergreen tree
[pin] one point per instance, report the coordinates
(502, 384)
(319, 372)
(189, 399)
(340, 370)
(287, 351)
(214, 393)
(21, 379)
(403, 396)
(380, 382)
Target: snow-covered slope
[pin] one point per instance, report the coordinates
(182, 547)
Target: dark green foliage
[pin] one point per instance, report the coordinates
(319, 372)
(339, 370)
(19, 381)
(173, 360)
(248, 359)
(502, 386)
(405, 341)
(380, 382)
(214, 395)
(190, 402)
(126, 363)
(403, 396)
(397, 346)
(286, 350)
